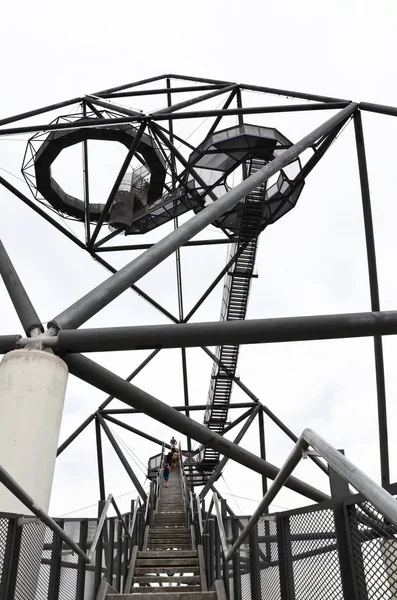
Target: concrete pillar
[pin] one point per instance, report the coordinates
(32, 393)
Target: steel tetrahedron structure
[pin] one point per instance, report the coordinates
(206, 169)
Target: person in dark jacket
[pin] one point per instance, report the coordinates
(173, 441)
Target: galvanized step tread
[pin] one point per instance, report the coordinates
(166, 569)
(170, 554)
(167, 579)
(168, 593)
(159, 562)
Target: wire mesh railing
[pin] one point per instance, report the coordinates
(342, 549)
(37, 564)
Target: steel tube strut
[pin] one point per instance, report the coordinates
(122, 458)
(134, 411)
(76, 433)
(251, 331)
(195, 114)
(219, 468)
(375, 303)
(21, 301)
(104, 293)
(98, 376)
(136, 431)
(9, 342)
(39, 111)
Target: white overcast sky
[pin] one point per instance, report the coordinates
(312, 262)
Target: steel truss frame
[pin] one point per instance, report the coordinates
(64, 336)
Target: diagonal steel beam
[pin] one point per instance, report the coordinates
(219, 468)
(136, 431)
(21, 301)
(104, 293)
(180, 105)
(104, 404)
(96, 375)
(123, 170)
(39, 111)
(122, 458)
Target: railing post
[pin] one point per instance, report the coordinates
(98, 551)
(356, 562)
(287, 588)
(254, 564)
(339, 491)
(110, 551)
(81, 565)
(236, 579)
(55, 567)
(225, 563)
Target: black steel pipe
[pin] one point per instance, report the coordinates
(375, 302)
(195, 100)
(239, 420)
(122, 458)
(222, 463)
(119, 88)
(136, 431)
(155, 91)
(40, 211)
(9, 342)
(21, 301)
(39, 111)
(134, 411)
(196, 114)
(105, 380)
(253, 331)
(290, 94)
(379, 108)
(147, 246)
(74, 435)
(99, 452)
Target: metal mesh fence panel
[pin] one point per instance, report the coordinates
(268, 560)
(68, 577)
(32, 576)
(6, 533)
(311, 538)
(374, 545)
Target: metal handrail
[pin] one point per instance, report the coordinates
(136, 506)
(100, 525)
(374, 493)
(200, 516)
(9, 482)
(208, 514)
(222, 533)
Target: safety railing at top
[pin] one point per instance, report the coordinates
(9, 482)
(374, 493)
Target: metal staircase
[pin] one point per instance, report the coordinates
(234, 307)
(169, 566)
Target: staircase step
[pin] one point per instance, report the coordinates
(166, 569)
(178, 593)
(170, 554)
(190, 579)
(159, 562)
(175, 546)
(170, 529)
(169, 540)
